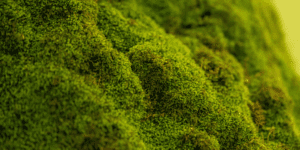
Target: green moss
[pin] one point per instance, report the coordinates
(135, 74)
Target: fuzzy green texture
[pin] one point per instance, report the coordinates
(145, 75)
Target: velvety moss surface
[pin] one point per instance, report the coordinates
(146, 75)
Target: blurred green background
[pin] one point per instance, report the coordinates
(288, 9)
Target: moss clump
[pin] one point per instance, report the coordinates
(201, 139)
(257, 114)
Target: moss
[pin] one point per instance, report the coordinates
(135, 74)
(201, 139)
(257, 114)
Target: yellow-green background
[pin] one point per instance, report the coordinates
(288, 10)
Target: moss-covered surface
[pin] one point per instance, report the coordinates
(140, 74)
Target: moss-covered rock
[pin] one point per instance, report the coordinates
(139, 74)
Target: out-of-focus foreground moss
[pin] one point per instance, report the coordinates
(143, 74)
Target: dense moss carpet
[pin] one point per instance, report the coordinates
(146, 75)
